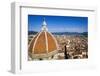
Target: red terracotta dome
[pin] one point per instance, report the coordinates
(43, 44)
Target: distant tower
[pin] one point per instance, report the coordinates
(43, 45)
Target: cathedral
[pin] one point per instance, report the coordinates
(43, 45)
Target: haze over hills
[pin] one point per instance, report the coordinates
(61, 33)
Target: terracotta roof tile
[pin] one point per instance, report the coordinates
(40, 46)
(51, 43)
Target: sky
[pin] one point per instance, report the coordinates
(58, 23)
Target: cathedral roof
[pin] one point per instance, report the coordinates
(43, 44)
